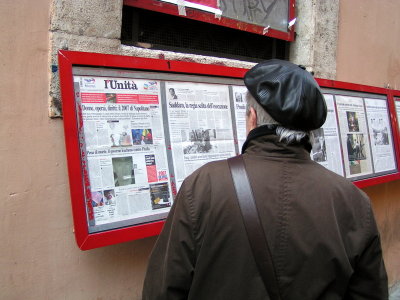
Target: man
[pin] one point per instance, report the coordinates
(319, 227)
(173, 96)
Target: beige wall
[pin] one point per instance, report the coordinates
(385, 200)
(369, 41)
(368, 53)
(38, 255)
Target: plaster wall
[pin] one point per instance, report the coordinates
(368, 53)
(368, 44)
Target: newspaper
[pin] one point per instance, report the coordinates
(326, 145)
(380, 134)
(354, 135)
(125, 148)
(200, 125)
(239, 98)
(397, 103)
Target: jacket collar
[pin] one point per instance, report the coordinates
(264, 141)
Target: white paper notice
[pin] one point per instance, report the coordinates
(239, 96)
(354, 136)
(326, 147)
(200, 125)
(125, 148)
(380, 135)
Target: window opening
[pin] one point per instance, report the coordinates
(153, 30)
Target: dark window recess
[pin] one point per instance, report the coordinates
(148, 29)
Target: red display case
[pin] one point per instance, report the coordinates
(389, 94)
(70, 61)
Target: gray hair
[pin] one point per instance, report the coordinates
(287, 136)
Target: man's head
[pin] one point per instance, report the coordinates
(256, 115)
(288, 93)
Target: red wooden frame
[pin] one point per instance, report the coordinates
(68, 59)
(203, 16)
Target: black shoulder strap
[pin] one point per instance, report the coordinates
(254, 229)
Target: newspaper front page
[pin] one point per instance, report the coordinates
(380, 134)
(200, 125)
(239, 100)
(326, 146)
(126, 153)
(354, 136)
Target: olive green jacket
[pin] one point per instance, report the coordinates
(319, 226)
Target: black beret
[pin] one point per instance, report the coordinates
(288, 93)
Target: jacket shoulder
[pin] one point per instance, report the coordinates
(208, 172)
(333, 181)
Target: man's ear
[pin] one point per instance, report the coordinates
(251, 120)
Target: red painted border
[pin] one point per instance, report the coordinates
(327, 83)
(396, 93)
(67, 59)
(207, 17)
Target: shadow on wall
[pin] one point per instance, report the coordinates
(394, 291)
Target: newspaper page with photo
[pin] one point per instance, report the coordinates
(124, 142)
(354, 136)
(380, 135)
(326, 146)
(200, 125)
(239, 100)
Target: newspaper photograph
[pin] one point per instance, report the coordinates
(380, 133)
(354, 136)
(239, 100)
(326, 142)
(200, 125)
(125, 147)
